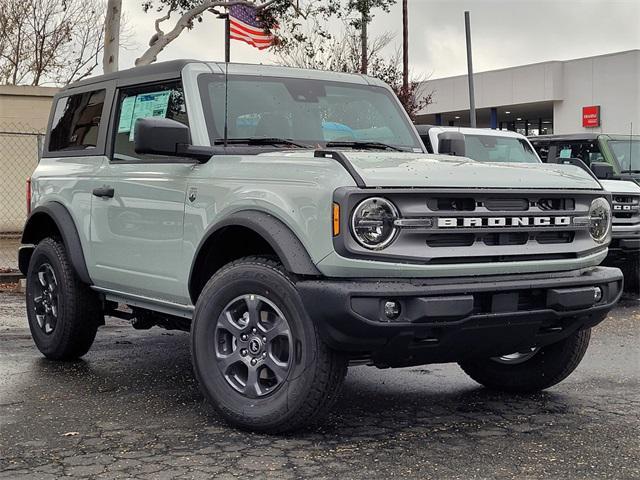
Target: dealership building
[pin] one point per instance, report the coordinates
(593, 94)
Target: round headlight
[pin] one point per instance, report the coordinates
(600, 216)
(372, 223)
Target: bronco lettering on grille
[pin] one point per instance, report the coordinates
(471, 222)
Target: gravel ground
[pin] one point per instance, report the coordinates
(131, 409)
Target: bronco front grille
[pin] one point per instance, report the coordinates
(625, 207)
(481, 226)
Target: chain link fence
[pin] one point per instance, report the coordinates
(20, 149)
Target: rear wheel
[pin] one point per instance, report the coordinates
(64, 314)
(257, 355)
(532, 369)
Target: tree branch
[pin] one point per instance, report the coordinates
(161, 40)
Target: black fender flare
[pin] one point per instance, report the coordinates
(63, 220)
(283, 241)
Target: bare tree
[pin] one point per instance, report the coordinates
(413, 96)
(112, 36)
(49, 41)
(341, 52)
(14, 42)
(364, 9)
(190, 11)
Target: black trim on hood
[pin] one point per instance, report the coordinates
(342, 159)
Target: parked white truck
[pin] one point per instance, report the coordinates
(480, 144)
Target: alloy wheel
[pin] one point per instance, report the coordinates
(45, 299)
(253, 345)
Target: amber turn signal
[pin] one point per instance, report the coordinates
(336, 219)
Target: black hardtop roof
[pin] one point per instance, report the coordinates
(571, 136)
(585, 136)
(161, 71)
(424, 128)
(169, 68)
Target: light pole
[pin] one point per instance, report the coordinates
(472, 100)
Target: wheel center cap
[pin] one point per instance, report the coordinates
(255, 345)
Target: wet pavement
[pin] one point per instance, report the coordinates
(131, 409)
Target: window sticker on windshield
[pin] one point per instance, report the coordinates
(126, 114)
(565, 153)
(152, 104)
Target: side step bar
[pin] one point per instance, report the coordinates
(153, 304)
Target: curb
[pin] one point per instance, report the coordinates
(13, 277)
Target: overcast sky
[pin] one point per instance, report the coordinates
(505, 33)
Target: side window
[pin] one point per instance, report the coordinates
(586, 151)
(542, 149)
(76, 121)
(164, 100)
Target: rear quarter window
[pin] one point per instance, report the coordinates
(76, 122)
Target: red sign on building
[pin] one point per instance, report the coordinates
(591, 116)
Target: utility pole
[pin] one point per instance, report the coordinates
(405, 46)
(111, 36)
(472, 100)
(364, 61)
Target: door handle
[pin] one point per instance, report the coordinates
(104, 192)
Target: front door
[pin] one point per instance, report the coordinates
(137, 208)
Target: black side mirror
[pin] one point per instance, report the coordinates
(163, 136)
(160, 136)
(602, 170)
(451, 143)
(598, 170)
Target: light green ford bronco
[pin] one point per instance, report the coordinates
(293, 223)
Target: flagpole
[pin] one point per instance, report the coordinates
(227, 39)
(227, 34)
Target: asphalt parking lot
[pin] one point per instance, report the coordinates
(131, 409)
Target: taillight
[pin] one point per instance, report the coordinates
(28, 195)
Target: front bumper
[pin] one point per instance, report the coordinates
(625, 239)
(449, 320)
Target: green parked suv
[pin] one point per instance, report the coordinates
(293, 223)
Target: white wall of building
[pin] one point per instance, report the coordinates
(611, 81)
(509, 86)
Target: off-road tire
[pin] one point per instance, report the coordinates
(317, 372)
(631, 271)
(549, 366)
(78, 308)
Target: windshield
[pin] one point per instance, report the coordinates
(489, 148)
(311, 112)
(627, 153)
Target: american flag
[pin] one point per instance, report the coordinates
(245, 26)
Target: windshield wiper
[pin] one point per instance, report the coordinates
(365, 145)
(261, 141)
